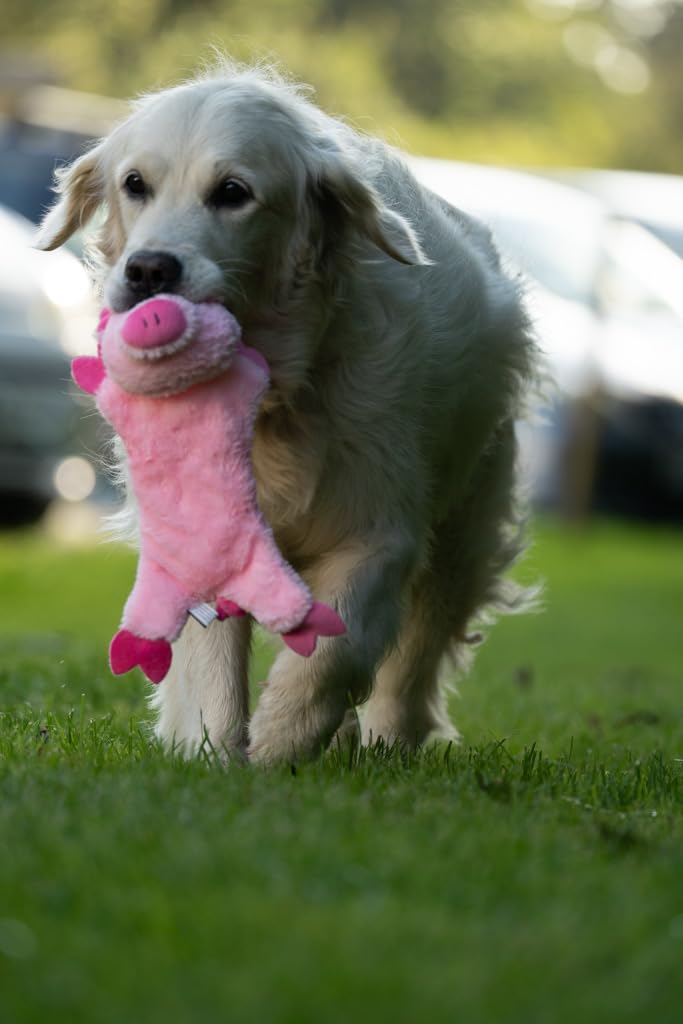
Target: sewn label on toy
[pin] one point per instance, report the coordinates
(183, 392)
(204, 614)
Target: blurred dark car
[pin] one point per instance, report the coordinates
(47, 313)
(607, 299)
(41, 126)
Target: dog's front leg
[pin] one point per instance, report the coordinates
(205, 697)
(305, 699)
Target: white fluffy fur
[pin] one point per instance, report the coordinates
(385, 455)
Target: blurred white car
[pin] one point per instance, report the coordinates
(653, 200)
(607, 300)
(47, 313)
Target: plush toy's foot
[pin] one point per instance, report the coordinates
(128, 650)
(227, 609)
(320, 621)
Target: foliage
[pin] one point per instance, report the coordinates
(524, 81)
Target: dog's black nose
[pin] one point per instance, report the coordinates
(149, 272)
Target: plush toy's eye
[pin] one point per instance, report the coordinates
(230, 194)
(134, 185)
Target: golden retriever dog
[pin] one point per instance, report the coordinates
(385, 453)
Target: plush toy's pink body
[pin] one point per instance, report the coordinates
(183, 393)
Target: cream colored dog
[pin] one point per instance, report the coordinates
(399, 351)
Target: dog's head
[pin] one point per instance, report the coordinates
(231, 188)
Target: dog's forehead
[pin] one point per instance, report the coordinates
(214, 125)
(163, 118)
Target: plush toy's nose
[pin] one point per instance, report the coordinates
(154, 323)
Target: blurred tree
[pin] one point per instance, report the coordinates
(519, 81)
(655, 140)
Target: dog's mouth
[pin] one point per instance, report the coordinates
(121, 297)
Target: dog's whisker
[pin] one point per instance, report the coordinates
(235, 261)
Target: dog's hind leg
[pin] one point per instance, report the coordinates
(204, 699)
(471, 550)
(408, 704)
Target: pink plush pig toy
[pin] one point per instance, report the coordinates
(175, 381)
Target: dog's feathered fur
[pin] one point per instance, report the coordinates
(385, 455)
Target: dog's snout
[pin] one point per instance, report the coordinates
(149, 272)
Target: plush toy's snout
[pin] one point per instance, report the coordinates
(166, 344)
(154, 324)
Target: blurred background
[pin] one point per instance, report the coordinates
(559, 122)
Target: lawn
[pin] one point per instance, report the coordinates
(534, 874)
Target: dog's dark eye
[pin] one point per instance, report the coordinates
(134, 185)
(230, 193)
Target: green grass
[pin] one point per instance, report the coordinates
(535, 874)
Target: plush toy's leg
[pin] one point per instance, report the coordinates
(158, 605)
(154, 615)
(274, 596)
(321, 620)
(268, 589)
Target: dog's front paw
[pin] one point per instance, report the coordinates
(348, 736)
(292, 722)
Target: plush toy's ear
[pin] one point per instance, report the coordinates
(80, 192)
(347, 199)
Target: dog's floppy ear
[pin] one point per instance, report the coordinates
(80, 190)
(346, 199)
